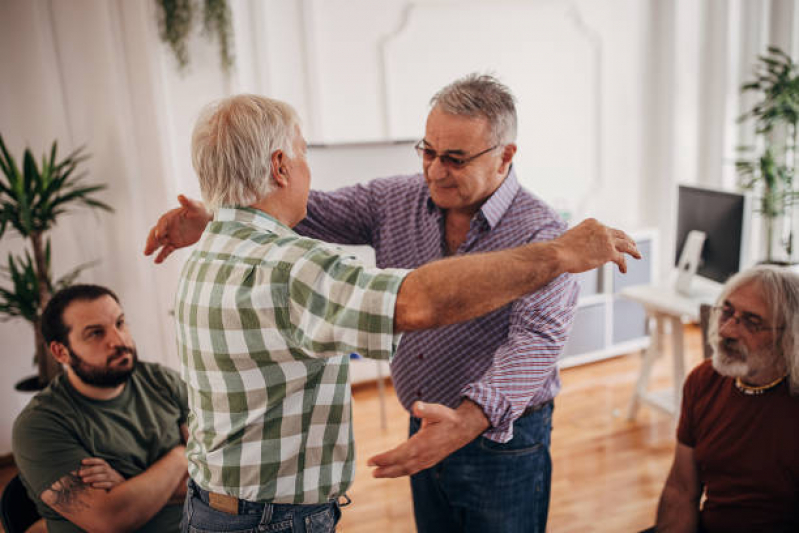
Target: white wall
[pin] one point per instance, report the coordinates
(618, 100)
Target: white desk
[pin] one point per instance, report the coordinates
(664, 305)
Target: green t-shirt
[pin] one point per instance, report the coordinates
(60, 427)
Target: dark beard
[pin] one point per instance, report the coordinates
(100, 376)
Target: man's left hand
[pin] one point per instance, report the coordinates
(443, 431)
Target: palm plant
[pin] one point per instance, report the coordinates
(31, 201)
(772, 168)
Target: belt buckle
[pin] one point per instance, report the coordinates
(224, 502)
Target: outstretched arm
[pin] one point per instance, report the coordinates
(128, 505)
(464, 287)
(177, 228)
(678, 510)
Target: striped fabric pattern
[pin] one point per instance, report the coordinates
(266, 321)
(504, 361)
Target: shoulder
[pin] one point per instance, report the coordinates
(49, 413)
(158, 380)
(536, 215)
(703, 374)
(156, 373)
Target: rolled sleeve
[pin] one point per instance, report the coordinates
(523, 365)
(337, 305)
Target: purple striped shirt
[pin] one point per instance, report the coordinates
(505, 361)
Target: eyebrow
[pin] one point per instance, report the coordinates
(445, 152)
(92, 327)
(747, 314)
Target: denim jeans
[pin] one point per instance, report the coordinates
(487, 486)
(199, 517)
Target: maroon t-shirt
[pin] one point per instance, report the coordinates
(746, 450)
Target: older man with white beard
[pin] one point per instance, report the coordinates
(738, 435)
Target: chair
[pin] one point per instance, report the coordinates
(17, 510)
(704, 322)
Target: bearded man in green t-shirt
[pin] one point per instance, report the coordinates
(102, 447)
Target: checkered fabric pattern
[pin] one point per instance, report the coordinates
(266, 321)
(504, 361)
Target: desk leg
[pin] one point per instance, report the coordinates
(678, 370)
(650, 355)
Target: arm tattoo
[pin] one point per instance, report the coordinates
(66, 492)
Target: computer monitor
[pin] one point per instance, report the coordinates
(724, 218)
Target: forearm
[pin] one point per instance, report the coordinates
(678, 512)
(131, 504)
(461, 288)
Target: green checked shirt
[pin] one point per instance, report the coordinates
(266, 321)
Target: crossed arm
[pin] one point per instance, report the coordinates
(97, 499)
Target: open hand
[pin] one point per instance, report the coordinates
(443, 431)
(98, 474)
(177, 228)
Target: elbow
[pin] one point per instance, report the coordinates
(411, 314)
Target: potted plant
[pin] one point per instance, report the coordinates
(32, 199)
(771, 166)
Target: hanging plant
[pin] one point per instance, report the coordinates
(176, 19)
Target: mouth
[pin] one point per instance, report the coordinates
(733, 352)
(120, 358)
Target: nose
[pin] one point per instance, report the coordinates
(116, 338)
(435, 170)
(730, 328)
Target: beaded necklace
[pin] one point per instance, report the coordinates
(751, 390)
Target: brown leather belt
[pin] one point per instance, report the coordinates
(223, 502)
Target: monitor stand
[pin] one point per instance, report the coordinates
(689, 261)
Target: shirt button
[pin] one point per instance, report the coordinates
(419, 393)
(421, 357)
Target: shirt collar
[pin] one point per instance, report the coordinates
(497, 204)
(251, 217)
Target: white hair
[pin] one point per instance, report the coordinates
(481, 95)
(232, 144)
(779, 288)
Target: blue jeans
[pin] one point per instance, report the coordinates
(199, 517)
(489, 487)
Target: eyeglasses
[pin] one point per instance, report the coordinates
(750, 321)
(429, 155)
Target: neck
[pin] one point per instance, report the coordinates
(278, 208)
(91, 391)
(765, 377)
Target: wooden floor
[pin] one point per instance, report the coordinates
(608, 471)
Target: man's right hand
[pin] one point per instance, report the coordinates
(591, 244)
(177, 228)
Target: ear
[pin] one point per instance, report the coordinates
(280, 172)
(507, 157)
(60, 352)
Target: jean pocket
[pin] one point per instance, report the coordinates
(509, 448)
(321, 522)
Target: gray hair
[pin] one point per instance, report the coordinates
(779, 288)
(481, 95)
(232, 144)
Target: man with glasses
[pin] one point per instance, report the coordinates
(738, 435)
(479, 393)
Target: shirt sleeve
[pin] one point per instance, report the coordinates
(178, 391)
(45, 450)
(344, 216)
(337, 306)
(538, 327)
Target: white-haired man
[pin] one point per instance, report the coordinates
(266, 320)
(738, 435)
(480, 393)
